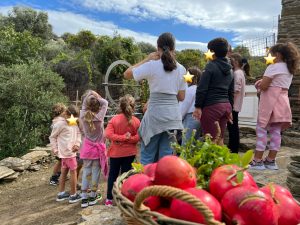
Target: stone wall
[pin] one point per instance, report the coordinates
(289, 30)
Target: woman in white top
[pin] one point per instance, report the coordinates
(187, 107)
(167, 86)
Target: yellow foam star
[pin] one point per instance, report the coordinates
(209, 55)
(72, 121)
(270, 59)
(188, 77)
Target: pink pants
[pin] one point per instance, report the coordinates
(262, 137)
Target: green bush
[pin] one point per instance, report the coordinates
(27, 93)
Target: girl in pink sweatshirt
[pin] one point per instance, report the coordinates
(274, 111)
(65, 140)
(93, 150)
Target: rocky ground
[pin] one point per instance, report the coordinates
(31, 200)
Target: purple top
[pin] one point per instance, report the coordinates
(97, 134)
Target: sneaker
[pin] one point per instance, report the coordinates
(74, 198)
(54, 182)
(94, 200)
(84, 203)
(62, 197)
(108, 202)
(272, 165)
(257, 165)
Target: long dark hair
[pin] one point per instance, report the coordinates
(243, 63)
(290, 55)
(166, 42)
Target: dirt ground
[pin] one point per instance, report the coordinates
(31, 200)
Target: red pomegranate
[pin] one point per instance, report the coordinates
(184, 211)
(149, 170)
(153, 202)
(248, 206)
(134, 184)
(164, 211)
(274, 188)
(174, 171)
(289, 210)
(223, 179)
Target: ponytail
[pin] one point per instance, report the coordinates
(92, 108)
(127, 106)
(166, 42)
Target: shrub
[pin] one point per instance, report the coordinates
(27, 93)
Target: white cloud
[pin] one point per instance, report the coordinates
(247, 19)
(70, 22)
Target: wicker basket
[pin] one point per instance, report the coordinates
(137, 214)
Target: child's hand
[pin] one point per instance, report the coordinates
(75, 148)
(128, 135)
(257, 84)
(55, 152)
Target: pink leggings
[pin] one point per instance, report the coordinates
(262, 137)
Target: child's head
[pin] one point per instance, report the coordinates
(287, 53)
(127, 106)
(238, 62)
(196, 72)
(92, 104)
(72, 110)
(58, 109)
(219, 46)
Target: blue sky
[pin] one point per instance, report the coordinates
(193, 23)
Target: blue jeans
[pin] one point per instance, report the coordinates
(190, 124)
(159, 146)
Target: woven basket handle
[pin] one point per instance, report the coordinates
(167, 191)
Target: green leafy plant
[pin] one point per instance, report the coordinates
(206, 156)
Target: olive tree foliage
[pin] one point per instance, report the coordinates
(17, 47)
(28, 19)
(27, 93)
(191, 57)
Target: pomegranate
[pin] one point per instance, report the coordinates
(271, 189)
(134, 184)
(223, 179)
(248, 206)
(153, 202)
(164, 211)
(149, 170)
(289, 210)
(174, 171)
(185, 211)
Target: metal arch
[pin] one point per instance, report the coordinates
(118, 62)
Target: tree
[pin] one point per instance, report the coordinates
(27, 93)
(16, 47)
(82, 40)
(27, 19)
(146, 48)
(243, 51)
(191, 57)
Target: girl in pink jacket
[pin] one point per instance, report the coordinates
(65, 140)
(274, 111)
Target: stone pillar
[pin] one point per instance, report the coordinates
(289, 30)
